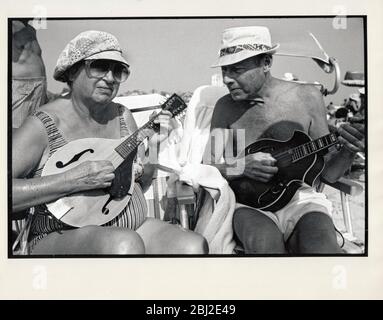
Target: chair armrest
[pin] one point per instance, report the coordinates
(184, 193)
(345, 185)
(186, 200)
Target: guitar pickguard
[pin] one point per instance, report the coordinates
(123, 178)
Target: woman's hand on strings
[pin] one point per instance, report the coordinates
(166, 122)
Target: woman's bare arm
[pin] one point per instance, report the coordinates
(29, 146)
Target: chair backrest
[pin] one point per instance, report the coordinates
(142, 106)
(197, 122)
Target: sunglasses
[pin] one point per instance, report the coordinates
(99, 68)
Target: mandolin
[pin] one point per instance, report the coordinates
(99, 206)
(299, 160)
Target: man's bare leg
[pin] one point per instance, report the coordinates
(257, 232)
(314, 233)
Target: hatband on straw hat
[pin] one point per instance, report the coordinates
(241, 43)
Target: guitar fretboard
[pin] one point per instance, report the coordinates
(314, 146)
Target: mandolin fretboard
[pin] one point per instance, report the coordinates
(174, 104)
(313, 146)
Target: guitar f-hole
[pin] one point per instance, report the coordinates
(60, 164)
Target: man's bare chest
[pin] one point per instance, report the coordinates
(266, 121)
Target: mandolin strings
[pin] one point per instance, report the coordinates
(149, 128)
(307, 148)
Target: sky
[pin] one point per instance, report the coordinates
(176, 55)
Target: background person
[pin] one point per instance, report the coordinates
(28, 72)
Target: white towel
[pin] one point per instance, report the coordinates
(216, 215)
(197, 123)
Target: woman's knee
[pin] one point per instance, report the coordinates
(127, 242)
(116, 240)
(194, 243)
(130, 243)
(91, 240)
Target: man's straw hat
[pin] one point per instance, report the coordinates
(241, 43)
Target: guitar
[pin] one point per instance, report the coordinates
(299, 160)
(97, 207)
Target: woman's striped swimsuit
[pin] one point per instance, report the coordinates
(43, 222)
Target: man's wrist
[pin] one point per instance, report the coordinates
(345, 151)
(232, 170)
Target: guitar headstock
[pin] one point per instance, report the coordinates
(175, 105)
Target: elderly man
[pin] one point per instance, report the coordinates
(28, 72)
(262, 106)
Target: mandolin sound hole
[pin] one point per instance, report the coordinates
(278, 188)
(104, 209)
(76, 157)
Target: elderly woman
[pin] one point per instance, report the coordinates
(93, 67)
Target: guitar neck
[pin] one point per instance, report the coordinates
(314, 146)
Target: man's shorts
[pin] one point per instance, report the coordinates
(305, 200)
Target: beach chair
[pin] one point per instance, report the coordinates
(19, 227)
(182, 202)
(200, 110)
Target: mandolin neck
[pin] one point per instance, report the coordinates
(131, 143)
(174, 104)
(314, 146)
